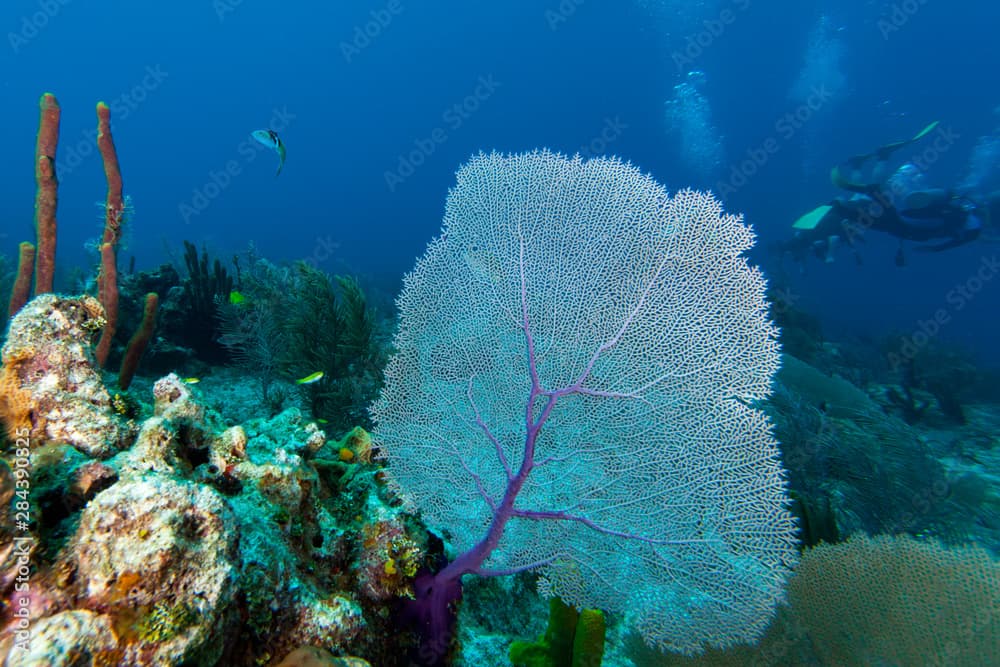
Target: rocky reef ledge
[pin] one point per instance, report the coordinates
(156, 534)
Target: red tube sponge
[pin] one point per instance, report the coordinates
(114, 206)
(136, 346)
(107, 294)
(46, 195)
(21, 291)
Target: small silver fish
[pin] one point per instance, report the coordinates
(271, 139)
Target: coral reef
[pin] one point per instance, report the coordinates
(294, 321)
(854, 468)
(310, 656)
(46, 198)
(64, 639)
(496, 611)
(166, 351)
(934, 383)
(191, 541)
(56, 386)
(944, 602)
(217, 520)
(160, 557)
(389, 561)
(884, 600)
(332, 328)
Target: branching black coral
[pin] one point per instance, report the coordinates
(207, 283)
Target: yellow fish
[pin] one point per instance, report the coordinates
(309, 379)
(191, 380)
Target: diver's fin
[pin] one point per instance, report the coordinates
(927, 130)
(881, 154)
(812, 218)
(884, 152)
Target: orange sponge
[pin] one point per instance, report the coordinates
(15, 401)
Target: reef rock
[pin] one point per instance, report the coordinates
(202, 543)
(61, 640)
(49, 385)
(310, 656)
(168, 549)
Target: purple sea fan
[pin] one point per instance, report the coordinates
(573, 389)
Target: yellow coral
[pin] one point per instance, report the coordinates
(118, 403)
(165, 621)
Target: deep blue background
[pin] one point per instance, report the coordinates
(226, 73)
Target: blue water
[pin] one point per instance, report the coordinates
(364, 94)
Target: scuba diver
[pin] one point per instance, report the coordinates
(900, 205)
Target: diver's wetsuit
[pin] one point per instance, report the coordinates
(895, 206)
(944, 217)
